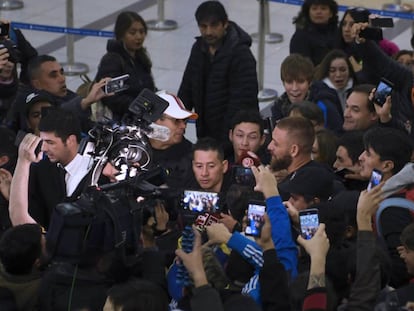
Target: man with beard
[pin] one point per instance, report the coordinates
(291, 147)
(220, 77)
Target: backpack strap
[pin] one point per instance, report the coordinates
(397, 202)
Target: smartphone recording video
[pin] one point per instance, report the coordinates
(243, 176)
(255, 218)
(371, 33)
(4, 29)
(309, 222)
(116, 84)
(200, 201)
(383, 90)
(376, 177)
(383, 22)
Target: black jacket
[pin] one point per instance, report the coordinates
(320, 94)
(314, 41)
(117, 62)
(381, 65)
(218, 86)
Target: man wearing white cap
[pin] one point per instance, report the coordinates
(174, 154)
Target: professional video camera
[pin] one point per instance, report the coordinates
(125, 145)
(108, 217)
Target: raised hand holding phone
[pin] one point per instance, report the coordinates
(309, 222)
(376, 178)
(382, 91)
(255, 218)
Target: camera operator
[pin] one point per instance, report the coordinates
(94, 277)
(380, 66)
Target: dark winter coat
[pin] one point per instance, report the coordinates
(117, 62)
(218, 86)
(314, 41)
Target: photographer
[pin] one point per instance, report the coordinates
(95, 275)
(14, 50)
(380, 66)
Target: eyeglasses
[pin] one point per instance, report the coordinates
(175, 120)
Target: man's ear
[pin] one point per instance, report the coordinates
(226, 24)
(294, 150)
(71, 140)
(374, 116)
(262, 139)
(225, 166)
(231, 135)
(387, 166)
(36, 84)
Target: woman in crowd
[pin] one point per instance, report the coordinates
(127, 55)
(336, 72)
(345, 42)
(316, 29)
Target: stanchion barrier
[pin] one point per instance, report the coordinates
(161, 23)
(65, 30)
(387, 13)
(270, 37)
(264, 94)
(11, 4)
(70, 67)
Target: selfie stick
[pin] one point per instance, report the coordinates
(161, 23)
(264, 94)
(71, 68)
(11, 4)
(269, 37)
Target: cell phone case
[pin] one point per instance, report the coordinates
(187, 240)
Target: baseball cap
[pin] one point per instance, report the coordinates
(311, 182)
(36, 97)
(176, 108)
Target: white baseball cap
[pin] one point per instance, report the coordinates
(176, 108)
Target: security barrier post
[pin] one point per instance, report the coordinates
(161, 23)
(70, 67)
(264, 94)
(269, 36)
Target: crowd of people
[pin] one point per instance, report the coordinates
(112, 228)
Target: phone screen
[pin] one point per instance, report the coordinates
(243, 176)
(116, 84)
(255, 218)
(200, 201)
(309, 223)
(376, 177)
(4, 29)
(384, 89)
(382, 22)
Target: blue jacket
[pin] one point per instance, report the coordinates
(282, 238)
